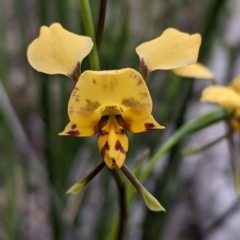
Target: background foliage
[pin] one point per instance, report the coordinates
(37, 166)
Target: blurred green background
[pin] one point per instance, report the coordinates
(37, 166)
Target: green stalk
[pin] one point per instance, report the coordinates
(193, 151)
(89, 29)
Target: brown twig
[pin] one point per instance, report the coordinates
(101, 20)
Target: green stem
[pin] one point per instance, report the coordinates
(89, 28)
(193, 151)
(233, 159)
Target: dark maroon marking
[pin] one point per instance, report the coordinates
(143, 69)
(73, 126)
(122, 123)
(119, 147)
(73, 133)
(122, 131)
(104, 132)
(114, 164)
(140, 81)
(104, 149)
(149, 126)
(76, 73)
(103, 121)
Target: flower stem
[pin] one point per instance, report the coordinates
(122, 204)
(77, 187)
(88, 24)
(151, 202)
(233, 160)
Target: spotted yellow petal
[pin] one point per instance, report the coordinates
(57, 51)
(104, 91)
(137, 120)
(224, 96)
(113, 143)
(195, 70)
(173, 49)
(83, 125)
(235, 84)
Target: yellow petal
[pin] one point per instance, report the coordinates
(137, 120)
(84, 125)
(235, 84)
(113, 144)
(224, 96)
(195, 70)
(97, 91)
(57, 51)
(173, 49)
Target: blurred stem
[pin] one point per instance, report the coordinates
(211, 20)
(193, 151)
(89, 28)
(101, 20)
(122, 203)
(10, 209)
(233, 160)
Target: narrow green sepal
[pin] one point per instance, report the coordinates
(151, 202)
(77, 187)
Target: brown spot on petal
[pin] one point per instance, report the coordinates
(132, 103)
(119, 147)
(104, 149)
(103, 121)
(140, 81)
(76, 73)
(73, 126)
(90, 106)
(114, 164)
(149, 126)
(143, 95)
(73, 133)
(104, 131)
(94, 81)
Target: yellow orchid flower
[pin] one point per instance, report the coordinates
(226, 97)
(110, 102)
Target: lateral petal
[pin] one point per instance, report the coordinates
(84, 125)
(172, 49)
(136, 120)
(224, 96)
(58, 51)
